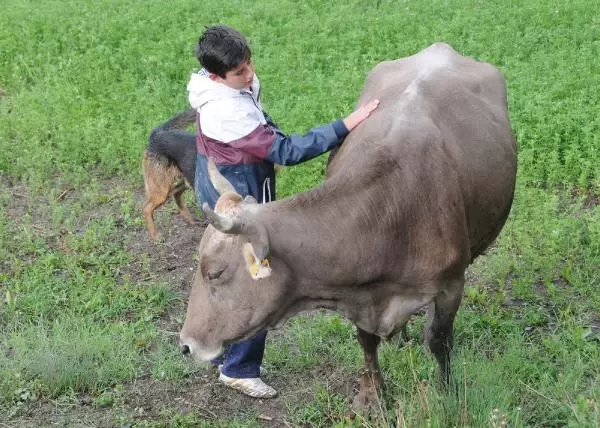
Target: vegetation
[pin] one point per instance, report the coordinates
(83, 312)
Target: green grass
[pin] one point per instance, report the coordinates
(84, 92)
(80, 311)
(525, 343)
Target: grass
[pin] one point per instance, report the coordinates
(82, 312)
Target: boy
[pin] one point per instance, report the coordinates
(245, 143)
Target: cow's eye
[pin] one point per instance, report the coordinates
(214, 273)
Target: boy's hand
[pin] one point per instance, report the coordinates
(360, 114)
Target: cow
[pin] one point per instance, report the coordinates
(414, 194)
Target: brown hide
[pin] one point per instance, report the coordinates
(414, 194)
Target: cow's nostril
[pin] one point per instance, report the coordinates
(185, 350)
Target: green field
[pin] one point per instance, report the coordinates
(89, 306)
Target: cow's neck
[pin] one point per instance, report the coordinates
(328, 242)
(315, 233)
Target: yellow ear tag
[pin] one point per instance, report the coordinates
(260, 270)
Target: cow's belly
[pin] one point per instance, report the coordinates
(393, 316)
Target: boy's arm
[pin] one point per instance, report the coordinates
(295, 148)
(272, 144)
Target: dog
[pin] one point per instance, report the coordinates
(169, 167)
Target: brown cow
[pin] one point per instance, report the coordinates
(415, 193)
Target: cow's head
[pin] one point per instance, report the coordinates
(239, 287)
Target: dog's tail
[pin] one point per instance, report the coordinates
(162, 139)
(179, 121)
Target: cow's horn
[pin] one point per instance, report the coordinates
(254, 231)
(221, 222)
(220, 183)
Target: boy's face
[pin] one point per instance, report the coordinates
(238, 78)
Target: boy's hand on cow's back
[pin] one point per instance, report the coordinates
(360, 114)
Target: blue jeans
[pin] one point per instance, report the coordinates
(242, 360)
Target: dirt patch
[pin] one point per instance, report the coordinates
(157, 401)
(589, 198)
(172, 260)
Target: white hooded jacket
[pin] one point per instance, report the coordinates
(244, 142)
(226, 114)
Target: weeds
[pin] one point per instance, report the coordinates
(83, 311)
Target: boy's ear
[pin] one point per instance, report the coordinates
(214, 77)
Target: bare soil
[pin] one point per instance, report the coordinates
(147, 400)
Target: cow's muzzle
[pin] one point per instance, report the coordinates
(190, 347)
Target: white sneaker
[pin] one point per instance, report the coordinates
(253, 387)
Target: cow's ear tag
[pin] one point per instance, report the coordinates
(258, 268)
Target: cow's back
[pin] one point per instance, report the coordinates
(441, 147)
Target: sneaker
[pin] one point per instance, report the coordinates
(253, 387)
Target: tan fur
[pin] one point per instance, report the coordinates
(160, 182)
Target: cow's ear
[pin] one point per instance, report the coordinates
(234, 222)
(257, 235)
(257, 268)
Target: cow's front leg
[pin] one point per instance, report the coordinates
(370, 382)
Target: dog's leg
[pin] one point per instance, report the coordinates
(152, 203)
(177, 193)
(148, 211)
(157, 186)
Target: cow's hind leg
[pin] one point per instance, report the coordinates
(371, 382)
(439, 330)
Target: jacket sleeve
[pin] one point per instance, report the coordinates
(272, 144)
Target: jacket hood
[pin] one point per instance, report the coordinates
(202, 89)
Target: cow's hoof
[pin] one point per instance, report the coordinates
(367, 403)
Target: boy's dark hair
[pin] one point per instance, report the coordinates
(221, 48)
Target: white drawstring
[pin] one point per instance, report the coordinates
(266, 189)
